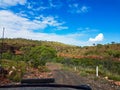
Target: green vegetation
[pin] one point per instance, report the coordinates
(87, 66)
(16, 69)
(36, 53)
(39, 55)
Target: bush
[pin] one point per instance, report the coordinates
(7, 55)
(114, 53)
(39, 55)
(108, 68)
(113, 76)
(17, 69)
(15, 76)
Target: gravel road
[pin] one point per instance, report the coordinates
(72, 78)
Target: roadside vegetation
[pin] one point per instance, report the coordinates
(87, 66)
(20, 54)
(16, 69)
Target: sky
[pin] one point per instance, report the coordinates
(74, 22)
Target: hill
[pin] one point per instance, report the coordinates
(97, 51)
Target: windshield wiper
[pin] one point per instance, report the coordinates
(36, 80)
(45, 83)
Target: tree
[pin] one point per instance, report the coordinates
(39, 55)
(93, 44)
(114, 53)
(113, 42)
(99, 45)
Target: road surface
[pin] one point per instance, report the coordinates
(72, 78)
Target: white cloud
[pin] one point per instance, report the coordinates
(87, 30)
(15, 22)
(84, 9)
(76, 8)
(67, 39)
(29, 5)
(41, 8)
(55, 3)
(20, 27)
(50, 21)
(17, 26)
(37, 6)
(44, 5)
(7, 3)
(99, 37)
(61, 28)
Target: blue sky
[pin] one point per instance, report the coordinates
(75, 22)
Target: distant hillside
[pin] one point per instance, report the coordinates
(97, 51)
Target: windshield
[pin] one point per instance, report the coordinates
(60, 42)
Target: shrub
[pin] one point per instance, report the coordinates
(15, 76)
(16, 72)
(7, 55)
(113, 76)
(39, 55)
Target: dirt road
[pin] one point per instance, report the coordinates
(71, 78)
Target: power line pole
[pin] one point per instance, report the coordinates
(2, 43)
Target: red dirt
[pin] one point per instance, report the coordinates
(4, 81)
(35, 73)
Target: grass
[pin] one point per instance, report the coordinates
(113, 76)
(84, 74)
(43, 69)
(17, 69)
(85, 71)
